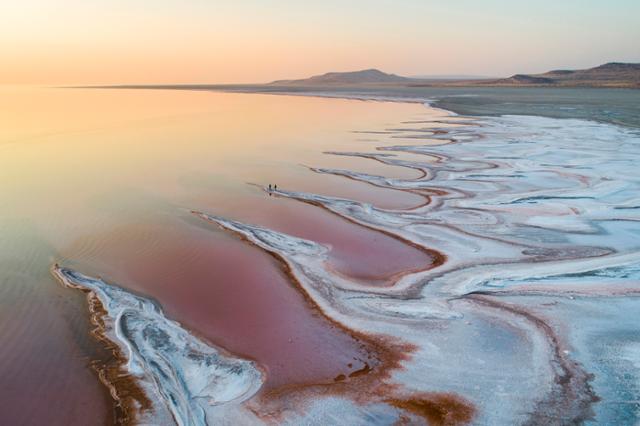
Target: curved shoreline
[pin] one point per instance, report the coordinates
(459, 217)
(161, 372)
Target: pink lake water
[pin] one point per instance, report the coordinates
(443, 269)
(105, 181)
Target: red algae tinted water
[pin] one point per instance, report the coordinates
(160, 196)
(106, 189)
(368, 256)
(233, 295)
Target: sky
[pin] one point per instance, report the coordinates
(253, 41)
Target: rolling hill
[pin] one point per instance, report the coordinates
(612, 74)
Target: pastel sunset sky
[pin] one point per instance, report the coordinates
(227, 41)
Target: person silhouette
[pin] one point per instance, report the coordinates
(269, 187)
(275, 187)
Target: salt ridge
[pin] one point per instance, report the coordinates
(519, 206)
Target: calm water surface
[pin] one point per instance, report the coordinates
(105, 181)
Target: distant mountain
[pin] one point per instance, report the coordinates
(370, 76)
(612, 74)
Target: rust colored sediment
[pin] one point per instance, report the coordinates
(423, 193)
(129, 398)
(373, 157)
(438, 409)
(369, 385)
(364, 386)
(438, 258)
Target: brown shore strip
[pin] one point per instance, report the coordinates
(437, 257)
(433, 195)
(426, 194)
(440, 409)
(129, 398)
(377, 157)
(386, 354)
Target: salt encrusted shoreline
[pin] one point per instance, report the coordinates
(164, 373)
(518, 207)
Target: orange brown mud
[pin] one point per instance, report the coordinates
(370, 385)
(436, 258)
(440, 258)
(241, 300)
(426, 194)
(232, 299)
(436, 408)
(421, 172)
(129, 398)
(376, 357)
(365, 385)
(359, 252)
